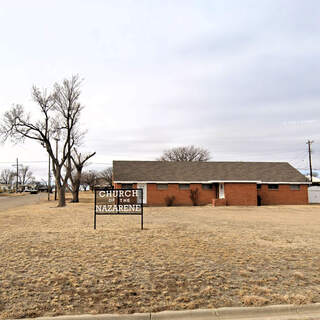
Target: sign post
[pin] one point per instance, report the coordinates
(117, 202)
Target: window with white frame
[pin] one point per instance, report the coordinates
(162, 186)
(127, 186)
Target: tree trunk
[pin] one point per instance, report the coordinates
(75, 191)
(61, 188)
(75, 196)
(61, 192)
(62, 196)
(76, 184)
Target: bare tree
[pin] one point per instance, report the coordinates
(25, 175)
(106, 175)
(60, 113)
(84, 181)
(89, 178)
(7, 176)
(79, 161)
(187, 153)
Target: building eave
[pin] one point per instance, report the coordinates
(216, 181)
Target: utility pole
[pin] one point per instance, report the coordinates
(309, 142)
(17, 174)
(17, 183)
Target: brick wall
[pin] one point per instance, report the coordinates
(219, 202)
(240, 194)
(284, 195)
(236, 194)
(119, 185)
(182, 197)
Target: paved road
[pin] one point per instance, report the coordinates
(27, 199)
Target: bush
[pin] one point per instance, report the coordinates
(194, 196)
(169, 200)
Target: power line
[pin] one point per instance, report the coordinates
(100, 163)
(10, 162)
(13, 162)
(299, 156)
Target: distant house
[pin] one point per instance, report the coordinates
(218, 183)
(315, 180)
(314, 194)
(4, 187)
(42, 188)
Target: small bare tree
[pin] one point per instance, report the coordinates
(78, 161)
(60, 113)
(89, 178)
(106, 175)
(84, 181)
(25, 175)
(7, 176)
(187, 153)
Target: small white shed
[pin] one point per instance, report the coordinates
(314, 194)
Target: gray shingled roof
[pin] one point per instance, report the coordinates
(205, 171)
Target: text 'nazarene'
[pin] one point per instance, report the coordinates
(118, 208)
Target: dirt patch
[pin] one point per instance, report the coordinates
(10, 202)
(53, 262)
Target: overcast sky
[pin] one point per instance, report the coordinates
(240, 78)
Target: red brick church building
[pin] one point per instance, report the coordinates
(218, 183)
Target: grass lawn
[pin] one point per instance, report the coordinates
(13, 194)
(52, 262)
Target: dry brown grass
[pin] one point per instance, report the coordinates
(7, 194)
(53, 262)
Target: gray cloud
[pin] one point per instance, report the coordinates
(240, 78)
